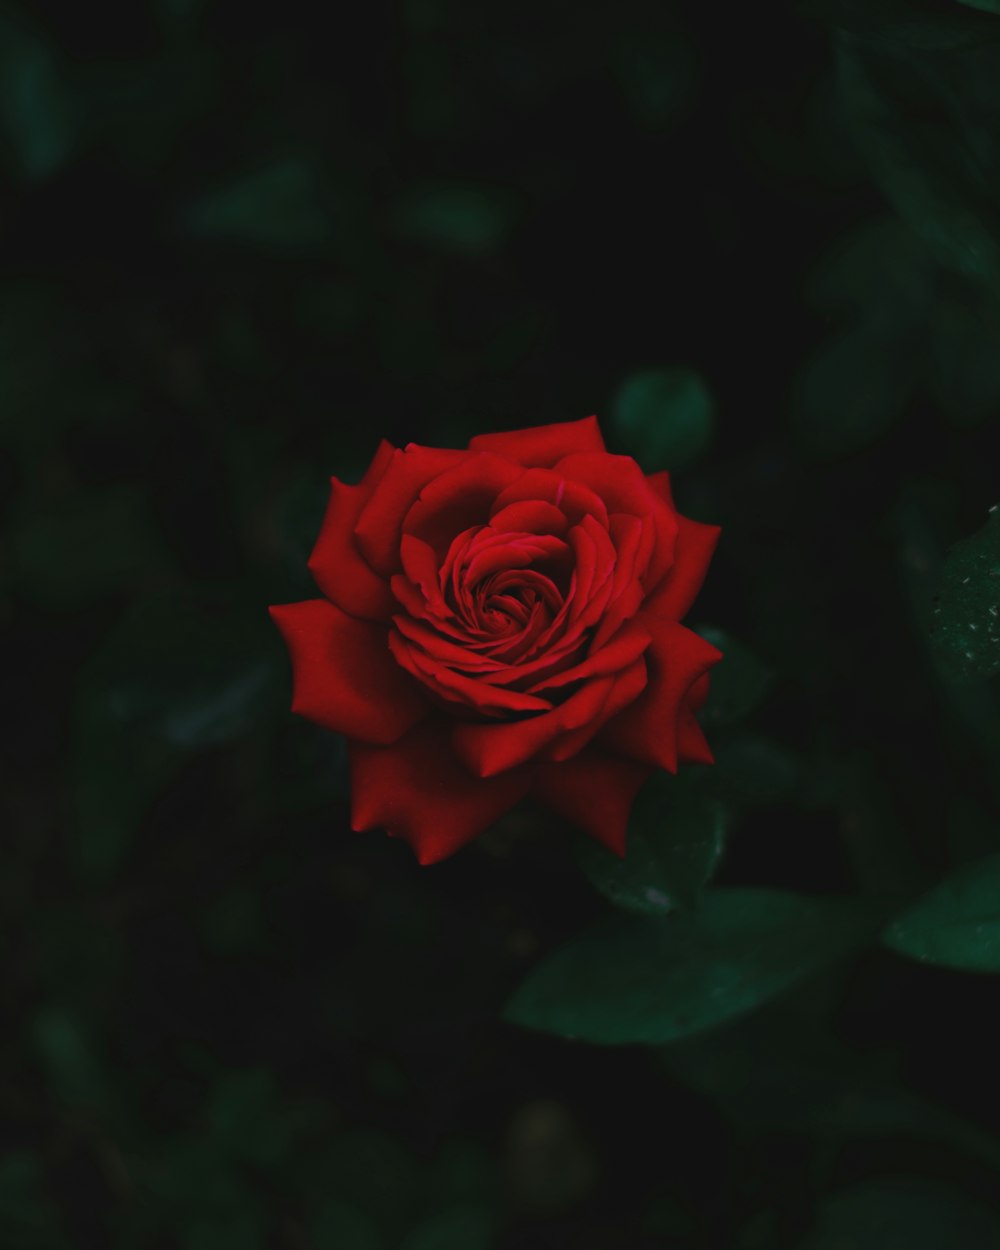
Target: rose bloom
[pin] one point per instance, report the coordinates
(498, 622)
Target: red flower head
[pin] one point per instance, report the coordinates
(498, 622)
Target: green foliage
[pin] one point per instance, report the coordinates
(461, 1228)
(466, 220)
(903, 1213)
(28, 1219)
(74, 1070)
(655, 980)
(36, 107)
(277, 206)
(675, 838)
(173, 676)
(85, 548)
(664, 417)
(956, 925)
(930, 157)
(338, 1225)
(966, 620)
(739, 681)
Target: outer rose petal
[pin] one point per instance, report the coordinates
(490, 749)
(679, 588)
(344, 676)
(336, 564)
(541, 446)
(649, 729)
(595, 791)
(379, 523)
(417, 790)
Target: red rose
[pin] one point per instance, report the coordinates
(498, 622)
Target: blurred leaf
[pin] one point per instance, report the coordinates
(957, 924)
(752, 769)
(277, 206)
(37, 108)
(654, 980)
(461, 1172)
(664, 417)
(91, 546)
(372, 1171)
(739, 680)
(241, 1228)
(966, 620)
(928, 131)
(675, 837)
(657, 73)
(880, 269)
(965, 363)
(853, 388)
(916, 24)
(904, 1213)
(172, 676)
(195, 674)
(985, 6)
(28, 1219)
(461, 1228)
(74, 1071)
(234, 922)
(784, 1071)
(339, 1226)
(247, 1116)
(465, 219)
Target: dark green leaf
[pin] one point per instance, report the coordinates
(338, 1225)
(664, 417)
(655, 980)
(461, 1228)
(966, 621)
(958, 923)
(90, 547)
(853, 388)
(74, 1070)
(172, 676)
(464, 219)
(904, 1213)
(915, 24)
(753, 769)
(965, 363)
(675, 837)
(657, 73)
(278, 206)
(927, 129)
(739, 681)
(38, 112)
(27, 1217)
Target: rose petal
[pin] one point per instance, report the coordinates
(533, 516)
(624, 488)
(594, 790)
(648, 730)
(379, 523)
(344, 676)
(490, 749)
(461, 497)
(692, 746)
(541, 446)
(679, 588)
(474, 692)
(335, 563)
(616, 655)
(573, 499)
(416, 789)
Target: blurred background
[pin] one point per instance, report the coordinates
(240, 245)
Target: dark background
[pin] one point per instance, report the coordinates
(238, 246)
